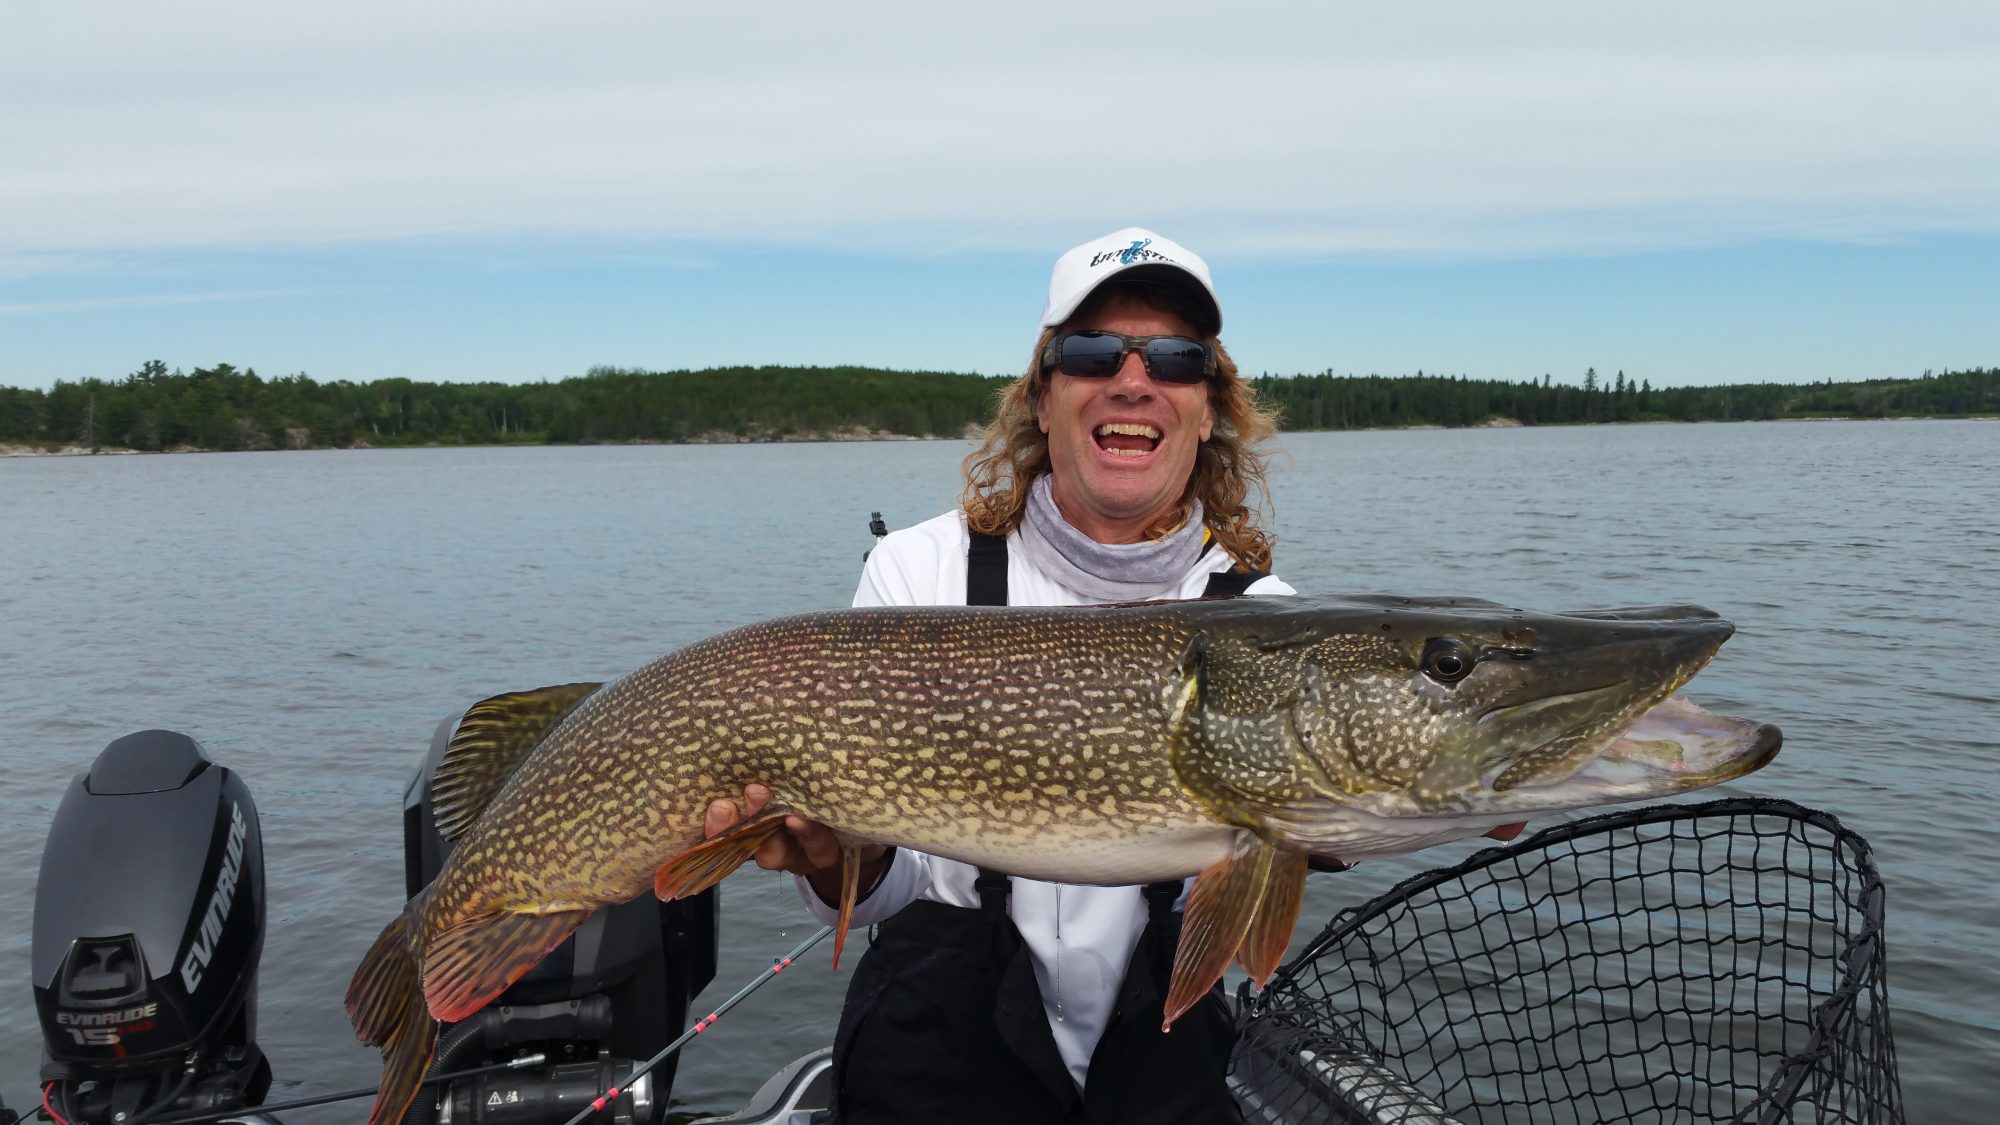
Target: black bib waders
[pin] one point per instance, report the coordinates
(944, 1021)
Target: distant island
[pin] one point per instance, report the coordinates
(223, 408)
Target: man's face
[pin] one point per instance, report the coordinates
(1114, 485)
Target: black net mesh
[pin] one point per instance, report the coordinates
(1718, 962)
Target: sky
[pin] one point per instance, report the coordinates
(1691, 192)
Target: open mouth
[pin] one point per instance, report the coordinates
(1126, 439)
(1673, 747)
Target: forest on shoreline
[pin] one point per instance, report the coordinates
(224, 408)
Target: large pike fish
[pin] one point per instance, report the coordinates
(1113, 745)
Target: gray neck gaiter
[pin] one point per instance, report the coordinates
(1111, 572)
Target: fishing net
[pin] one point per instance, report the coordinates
(1713, 962)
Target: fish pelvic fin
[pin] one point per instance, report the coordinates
(471, 963)
(386, 1005)
(710, 862)
(1242, 907)
(490, 743)
(850, 890)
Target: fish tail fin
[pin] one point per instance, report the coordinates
(385, 1002)
(406, 1059)
(709, 862)
(474, 961)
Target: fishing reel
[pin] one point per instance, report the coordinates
(149, 921)
(567, 1070)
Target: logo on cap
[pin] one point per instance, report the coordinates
(1136, 252)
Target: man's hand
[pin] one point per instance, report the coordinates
(1507, 831)
(805, 847)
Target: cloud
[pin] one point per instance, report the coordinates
(1275, 131)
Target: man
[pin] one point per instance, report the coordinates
(1118, 468)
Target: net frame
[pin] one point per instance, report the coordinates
(1720, 961)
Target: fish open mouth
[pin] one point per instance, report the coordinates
(1671, 747)
(1126, 439)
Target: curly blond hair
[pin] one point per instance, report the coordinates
(1227, 467)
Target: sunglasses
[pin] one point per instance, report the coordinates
(1099, 355)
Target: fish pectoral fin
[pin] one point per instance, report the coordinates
(1263, 948)
(710, 862)
(491, 741)
(471, 963)
(1245, 901)
(386, 1005)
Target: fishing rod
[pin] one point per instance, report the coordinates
(701, 1025)
(521, 1063)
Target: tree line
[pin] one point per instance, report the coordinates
(222, 407)
(1330, 402)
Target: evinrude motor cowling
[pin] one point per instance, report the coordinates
(149, 920)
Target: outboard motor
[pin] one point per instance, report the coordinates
(149, 919)
(617, 991)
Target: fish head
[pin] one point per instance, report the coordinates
(1451, 707)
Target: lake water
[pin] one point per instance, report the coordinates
(311, 616)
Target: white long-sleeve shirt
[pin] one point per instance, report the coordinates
(1080, 937)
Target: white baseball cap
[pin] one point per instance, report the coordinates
(1130, 252)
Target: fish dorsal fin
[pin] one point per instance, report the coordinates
(491, 740)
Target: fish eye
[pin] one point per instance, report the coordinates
(1447, 661)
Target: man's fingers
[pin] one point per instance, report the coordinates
(803, 848)
(1507, 831)
(778, 854)
(816, 841)
(721, 814)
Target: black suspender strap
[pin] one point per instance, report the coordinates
(1160, 899)
(993, 888)
(1232, 583)
(986, 584)
(986, 570)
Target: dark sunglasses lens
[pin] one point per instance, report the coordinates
(1177, 361)
(1087, 355)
